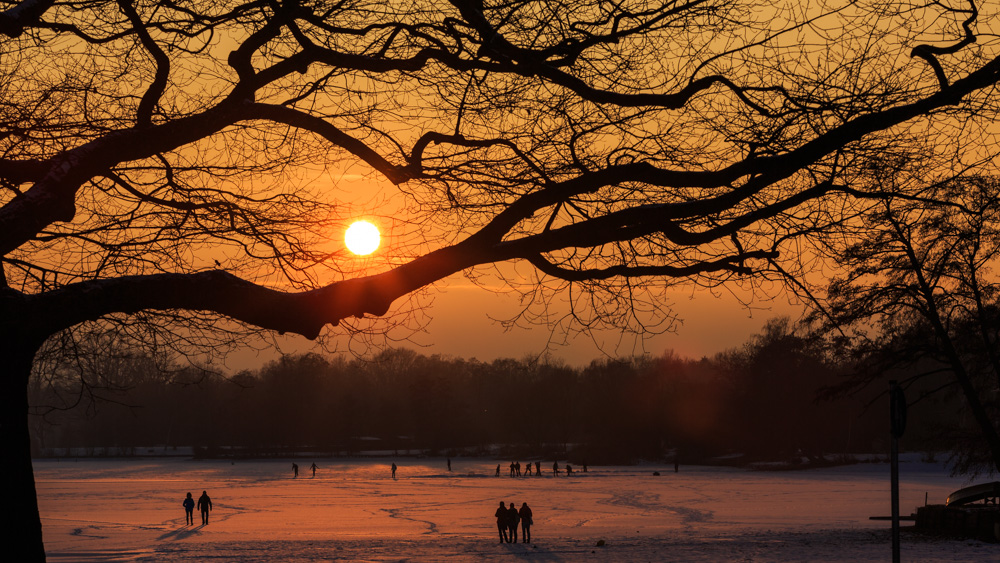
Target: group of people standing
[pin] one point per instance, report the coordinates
(508, 519)
(204, 505)
(515, 468)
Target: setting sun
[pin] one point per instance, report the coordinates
(362, 238)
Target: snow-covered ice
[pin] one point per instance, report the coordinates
(130, 510)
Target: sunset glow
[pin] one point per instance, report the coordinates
(362, 238)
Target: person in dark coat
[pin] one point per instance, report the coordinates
(204, 505)
(538, 468)
(295, 471)
(525, 515)
(512, 520)
(188, 510)
(314, 468)
(502, 518)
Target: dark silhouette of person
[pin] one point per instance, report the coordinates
(538, 468)
(569, 470)
(512, 520)
(314, 468)
(527, 469)
(502, 517)
(512, 469)
(204, 505)
(517, 468)
(585, 467)
(295, 470)
(449, 464)
(188, 510)
(555, 468)
(498, 470)
(525, 514)
(394, 470)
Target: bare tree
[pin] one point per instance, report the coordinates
(160, 159)
(919, 299)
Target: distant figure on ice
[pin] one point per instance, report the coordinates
(204, 505)
(512, 469)
(394, 470)
(538, 468)
(498, 470)
(555, 468)
(512, 520)
(449, 464)
(314, 468)
(585, 467)
(517, 468)
(525, 514)
(569, 470)
(295, 470)
(527, 469)
(188, 510)
(501, 515)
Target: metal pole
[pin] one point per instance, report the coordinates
(894, 464)
(897, 424)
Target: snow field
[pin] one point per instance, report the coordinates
(130, 510)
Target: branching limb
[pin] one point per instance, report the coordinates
(734, 264)
(13, 21)
(930, 52)
(151, 98)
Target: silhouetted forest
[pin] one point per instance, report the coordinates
(759, 400)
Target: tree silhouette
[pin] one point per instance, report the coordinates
(919, 299)
(159, 158)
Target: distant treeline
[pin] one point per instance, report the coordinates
(759, 400)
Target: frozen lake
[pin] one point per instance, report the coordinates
(130, 510)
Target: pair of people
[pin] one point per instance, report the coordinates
(295, 470)
(204, 505)
(508, 519)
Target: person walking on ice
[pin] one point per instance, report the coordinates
(204, 505)
(525, 514)
(502, 516)
(188, 510)
(314, 468)
(394, 470)
(295, 471)
(512, 520)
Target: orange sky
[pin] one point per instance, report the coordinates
(461, 326)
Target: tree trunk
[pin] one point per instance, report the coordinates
(972, 395)
(21, 520)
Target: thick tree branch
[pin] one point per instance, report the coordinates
(220, 292)
(323, 128)
(13, 21)
(735, 264)
(151, 98)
